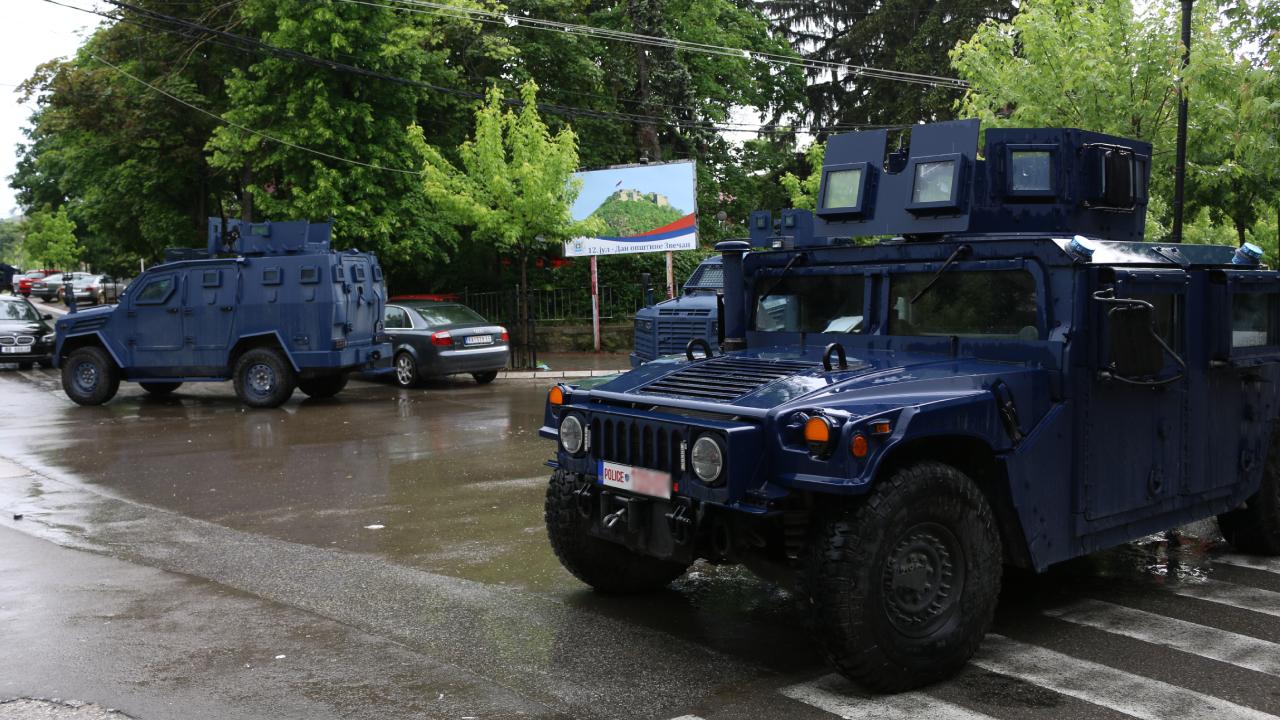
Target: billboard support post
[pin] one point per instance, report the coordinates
(595, 305)
(671, 281)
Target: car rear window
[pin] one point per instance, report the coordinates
(441, 315)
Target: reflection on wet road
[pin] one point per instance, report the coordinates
(417, 516)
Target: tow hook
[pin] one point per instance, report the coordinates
(614, 518)
(681, 524)
(585, 500)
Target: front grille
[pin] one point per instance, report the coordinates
(694, 312)
(11, 340)
(645, 344)
(640, 443)
(674, 335)
(724, 379)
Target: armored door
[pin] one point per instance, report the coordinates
(210, 313)
(155, 318)
(1133, 428)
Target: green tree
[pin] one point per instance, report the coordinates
(912, 36)
(50, 238)
(1120, 74)
(513, 189)
(11, 242)
(804, 192)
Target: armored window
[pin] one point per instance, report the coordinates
(357, 273)
(810, 304)
(762, 221)
(309, 275)
(979, 304)
(934, 182)
(395, 318)
(1251, 320)
(709, 277)
(272, 276)
(211, 279)
(377, 273)
(338, 274)
(843, 190)
(1030, 171)
(156, 291)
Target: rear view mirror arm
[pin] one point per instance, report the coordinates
(1107, 297)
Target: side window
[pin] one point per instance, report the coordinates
(395, 318)
(155, 291)
(310, 275)
(1165, 316)
(357, 273)
(1251, 320)
(271, 276)
(983, 304)
(811, 304)
(211, 279)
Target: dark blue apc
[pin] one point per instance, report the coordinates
(267, 305)
(1008, 376)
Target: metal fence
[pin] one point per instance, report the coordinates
(557, 305)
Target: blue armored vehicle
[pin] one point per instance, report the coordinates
(268, 306)
(1011, 377)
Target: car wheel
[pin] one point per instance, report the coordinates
(263, 378)
(1255, 528)
(605, 566)
(904, 584)
(160, 388)
(406, 370)
(485, 378)
(323, 387)
(90, 377)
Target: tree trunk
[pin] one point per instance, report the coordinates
(523, 310)
(246, 197)
(1240, 230)
(646, 132)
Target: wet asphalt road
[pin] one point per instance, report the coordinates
(389, 545)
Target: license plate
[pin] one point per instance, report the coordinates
(637, 480)
(18, 349)
(477, 340)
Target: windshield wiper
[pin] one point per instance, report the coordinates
(962, 250)
(778, 280)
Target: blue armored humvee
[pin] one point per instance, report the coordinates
(268, 305)
(1013, 378)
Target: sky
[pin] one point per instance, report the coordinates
(31, 32)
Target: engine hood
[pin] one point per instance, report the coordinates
(754, 382)
(92, 317)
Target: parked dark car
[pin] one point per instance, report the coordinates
(49, 287)
(437, 338)
(23, 284)
(25, 336)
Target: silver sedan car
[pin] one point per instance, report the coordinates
(434, 338)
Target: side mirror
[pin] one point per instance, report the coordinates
(47, 316)
(1135, 349)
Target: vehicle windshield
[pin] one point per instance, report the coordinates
(810, 304)
(436, 315)
(979, 304)
(706, 277)
(17, 310)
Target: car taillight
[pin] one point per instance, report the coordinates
(442, 338)
(506, 336)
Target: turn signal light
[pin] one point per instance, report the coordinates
(881, 427)
(859, 445)
(556, 396)
(443, 338)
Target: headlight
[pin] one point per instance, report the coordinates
(571, 434)
(708, 459)
(49, 338)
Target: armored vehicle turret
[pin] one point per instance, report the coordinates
(1008, 376)
(267, 305)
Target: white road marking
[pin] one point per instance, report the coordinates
(1105, 686)
(1230, 594)
(1271, 565)
(1222, 645)
(687, 717)
(836, 695)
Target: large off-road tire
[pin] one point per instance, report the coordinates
(323, 387)
(485, 378)
(263, 378)
(406, 370)
(160, 388)
(1255, 528)
(605, 566)
(904, 585)
(90, 376)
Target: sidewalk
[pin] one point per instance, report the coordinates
(572, 365)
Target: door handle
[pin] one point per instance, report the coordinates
(172, 310)
(226, 308)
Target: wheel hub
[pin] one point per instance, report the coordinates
(87, 376)
(261, 378)
(923, 577)
(404, 370)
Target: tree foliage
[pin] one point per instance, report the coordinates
(1121, 74)
(804, 192)
(49, 238)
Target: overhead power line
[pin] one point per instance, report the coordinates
(491, 16)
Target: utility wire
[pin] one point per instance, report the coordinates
(494, 17)
(250, 130)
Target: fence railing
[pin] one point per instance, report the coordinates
(557, 305)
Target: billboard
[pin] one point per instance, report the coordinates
(647, 208)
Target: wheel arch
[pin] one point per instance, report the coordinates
(75, 342)
(270, 340)
(974, 457)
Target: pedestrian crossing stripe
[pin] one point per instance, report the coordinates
(832, 693)
(1207, 642)
(1271, 565)
(1241, 597)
